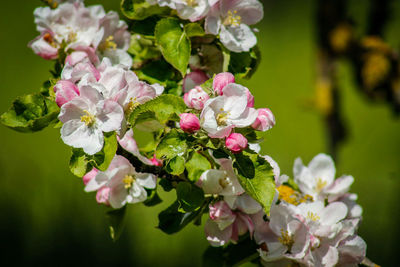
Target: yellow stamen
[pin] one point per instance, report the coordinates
(133, 103)
(191, 3)
(312, 216)
(291, 196)
(108, 44)
(71, 37)
(286, 239)
(320, 185)
(233, 19)
(88, 119)
(224, 182)
(128, 181)
(222, 118)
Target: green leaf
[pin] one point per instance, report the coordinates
(141, 9)
(30, 113)
(102, 159)
(220, 153)
(244, 64)
(194, 30)
(171, 145)
(171, 220)
(196, 166)
(79, 162)
(152, 198)
(174, 43)
(116, 220)
(166, 185)
(175, 166)
(145, 27)
(244, 165)
(157, 72)
(261, 185)
(163, 108)
(190, 196)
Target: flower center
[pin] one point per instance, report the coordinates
(224, 182)
(191, 3)
(133, 103)
(232, 19)
(320, 185)
(222, 118)
(312, 216)
(88, 119)
(291, 196)
(71, 37)
(109, 43)
(286, 239)
(128, 181)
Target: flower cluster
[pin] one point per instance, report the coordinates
(315, 225)
(84, 32)
(229, 106)
(205, 127)
(229, 19)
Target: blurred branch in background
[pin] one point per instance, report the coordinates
(375, 63)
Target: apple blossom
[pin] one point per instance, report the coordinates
(221, 80)
(196, 98)
(225, 225)
(89, 176)
(74, 27)
(222, 182)
(65, 92)
(286, 237)
(265, 120)
(189, 122)
(193, 79)
(223, 113)
(124, 183)
(236, 142)
(318, 179)
(230, 19)
(85, 119)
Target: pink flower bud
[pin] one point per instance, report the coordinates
(196, 98)
(265, 120)
(89, 176)
(156, 161)
(221, 80)
(102, 195)
(193, 79)
(236, 142)
(250, 99)
(65, 92)
(189, 122)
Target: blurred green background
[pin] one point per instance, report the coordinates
(48, 220)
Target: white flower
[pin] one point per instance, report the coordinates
(74, 27)
(230, 19)
(223, 113)
(222, 182)
(85, 119)
(225, 225)
(192, 10)
(323, 221)
(318, 178)
(285, 235)
(126, 185)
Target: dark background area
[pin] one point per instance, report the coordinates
(48, 220)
